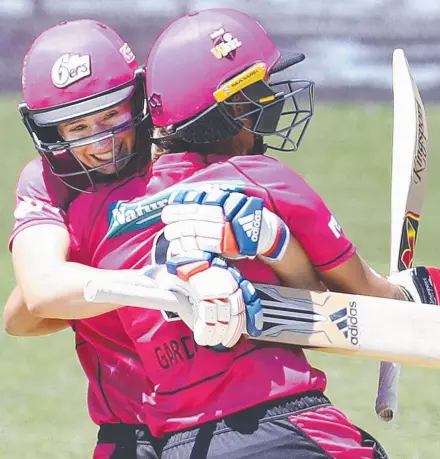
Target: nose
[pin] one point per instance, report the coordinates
(103, 145)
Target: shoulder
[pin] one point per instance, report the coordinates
(37, 182)
(271, 170)
(89, 204)
(279, 180)
(31, 175)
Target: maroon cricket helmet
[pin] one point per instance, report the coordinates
(204, 63)
(72, 70)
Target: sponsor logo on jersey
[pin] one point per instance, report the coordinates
(335, 227)
(70, 68)
(29, 205)
(140, 213)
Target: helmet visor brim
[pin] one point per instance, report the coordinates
(84, 108)
(286, 60)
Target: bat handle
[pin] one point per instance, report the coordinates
(387, 394)
(136, 295)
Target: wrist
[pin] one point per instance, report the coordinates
(274, 238)
(406, 294)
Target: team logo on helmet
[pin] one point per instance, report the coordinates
(225, 44)
(128, 54)
(70, 68)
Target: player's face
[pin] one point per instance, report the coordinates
(106, 149)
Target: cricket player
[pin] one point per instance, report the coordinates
(81, 85)
(83, 147)
(175, 352)
(72, 139)
(254, 399)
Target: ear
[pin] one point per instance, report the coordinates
(239, 107)
(238, 104)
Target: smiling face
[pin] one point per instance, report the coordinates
(107, 149)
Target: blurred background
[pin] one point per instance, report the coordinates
(347, 43)
(345, 155)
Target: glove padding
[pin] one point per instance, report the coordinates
(224, 305)
(227, 223)
(420, 285)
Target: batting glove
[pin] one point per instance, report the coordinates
(227, 223)
(224, 305)
(420, 285)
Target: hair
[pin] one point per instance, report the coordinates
(164, 143)
(215, 132)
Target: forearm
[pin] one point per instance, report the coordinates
(355, 276)
(53, 287)
(58, 292)
(296, 270)
(18, 321)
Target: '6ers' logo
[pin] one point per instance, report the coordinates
(408, 241)
(69, 68)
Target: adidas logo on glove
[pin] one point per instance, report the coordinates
(251, 225)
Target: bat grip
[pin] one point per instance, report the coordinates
(387, 392)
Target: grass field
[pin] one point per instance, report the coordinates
(346, 156)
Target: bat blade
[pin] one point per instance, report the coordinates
(360, 326)
(409, 171)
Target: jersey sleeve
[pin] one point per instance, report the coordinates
(311, 222)
(79, 226)
(41, 198)
(304, 211)
(87, 222)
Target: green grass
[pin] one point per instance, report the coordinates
(42, 387)
(346, 156)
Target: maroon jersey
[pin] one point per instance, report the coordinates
(121, 229)
(116, 377)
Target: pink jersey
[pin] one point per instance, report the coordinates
(116, 377)
(193, 384)
(115, 372)
(41, 198)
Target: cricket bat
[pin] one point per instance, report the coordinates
(340, 323)
(409, 174)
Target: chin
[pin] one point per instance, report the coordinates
(109, 170)
(114, 168)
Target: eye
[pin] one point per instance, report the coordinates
(78, 128)
(111, 114)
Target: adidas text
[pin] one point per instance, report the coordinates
(353, 323)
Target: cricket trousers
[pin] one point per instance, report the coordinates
(307, 426)
(126, 441)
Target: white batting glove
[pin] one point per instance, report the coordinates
(224, 305)
(420, 285)
(227, 223)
